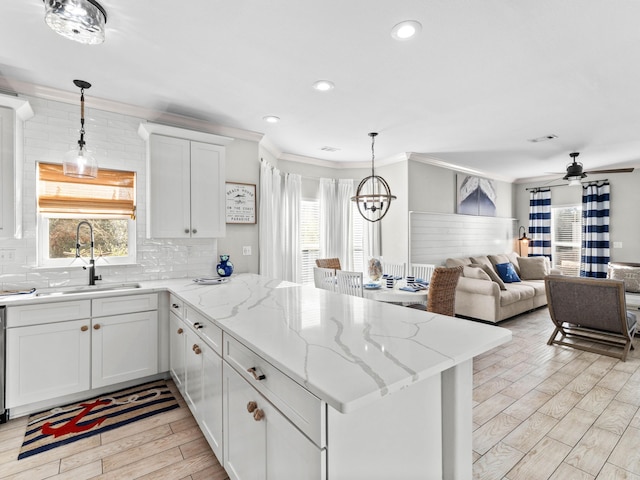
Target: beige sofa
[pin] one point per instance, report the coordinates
(483, 295)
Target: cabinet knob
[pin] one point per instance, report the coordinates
(195, 345)
(175, 305)
(96, 326)
(186, 230)
(251, 406)
(84, 328)
(180, 331)
(258, 415)
(257, 373)
(198, 326)
(194, 230)
(197, 351)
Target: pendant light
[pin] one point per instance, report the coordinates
(79, 162)
(79, 20)
(373, 195)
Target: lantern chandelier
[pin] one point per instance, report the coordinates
(79, 162)
(373, 195)
(79, 20)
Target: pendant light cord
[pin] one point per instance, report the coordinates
(81, 141)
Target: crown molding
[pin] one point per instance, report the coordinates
(151, 115)
(436, 162)
(340, 165)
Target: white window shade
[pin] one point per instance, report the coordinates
(566, 226)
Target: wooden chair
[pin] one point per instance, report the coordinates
(592, 310)
(324, 278)
(349, 283)
(395, 269)
(422, 270)
(442, 291)
(328, 263)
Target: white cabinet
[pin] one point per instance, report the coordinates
(124, 347)
(185, 187)
(13, 112)
(63, 348)
(47, 361)
(196, 368)
(259, 442)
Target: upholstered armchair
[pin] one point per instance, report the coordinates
(588, 312)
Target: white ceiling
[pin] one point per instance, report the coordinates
(481, 79)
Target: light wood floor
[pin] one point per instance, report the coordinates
(540, 412)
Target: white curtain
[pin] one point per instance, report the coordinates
(336, 220)
(279, 224)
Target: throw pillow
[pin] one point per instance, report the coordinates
(455, 262)
(514, 258)
(483, 260)
(475, 272)
(502, 258)
(507, 272)
(533, 268)
(492, 274)
(629, 273)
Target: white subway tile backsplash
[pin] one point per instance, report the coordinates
(113, 138)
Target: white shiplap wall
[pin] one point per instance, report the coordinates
(434, 237)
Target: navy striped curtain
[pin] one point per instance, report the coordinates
(540, 223)
(595, 231)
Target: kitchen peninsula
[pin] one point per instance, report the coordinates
(371, 390)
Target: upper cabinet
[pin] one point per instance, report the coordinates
(185, 182)
(13, 112)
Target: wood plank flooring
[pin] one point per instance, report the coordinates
(540, 412)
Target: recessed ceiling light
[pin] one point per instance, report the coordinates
(271, 119)
(406, 30)
(324, 85)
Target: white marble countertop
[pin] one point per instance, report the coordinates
(348, 351)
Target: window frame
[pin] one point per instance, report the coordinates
(572, 244)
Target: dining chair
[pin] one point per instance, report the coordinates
(349, 283)
(328, 263)
(395, 269)
(442, 290)
(324, 278)
(422, 270)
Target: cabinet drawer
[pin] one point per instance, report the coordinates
(124, 304)
(303, 409)
(210, 333)
(40, 313)
(176, 305)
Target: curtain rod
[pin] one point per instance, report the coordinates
(593, 182)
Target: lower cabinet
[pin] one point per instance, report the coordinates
(259, 442)
(196, 368)
(47, 361)
(133, 333)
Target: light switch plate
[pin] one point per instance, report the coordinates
(246, 250)
(617, 244)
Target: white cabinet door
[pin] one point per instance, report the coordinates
(245, 439)
(267, 447)
(176, 350)
(193, 372)
(124, 347)
(6, 173)
(211, 408)
(185, 189)
(207, 191)
(168, 187)
(47, 361)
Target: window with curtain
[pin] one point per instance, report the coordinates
(566, 227)
(107, 202)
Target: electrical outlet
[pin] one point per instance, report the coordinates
(246, 250)
(7, 256)
(617, 244)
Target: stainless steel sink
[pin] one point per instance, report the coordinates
(46, 292)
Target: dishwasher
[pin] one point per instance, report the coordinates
(3, 353)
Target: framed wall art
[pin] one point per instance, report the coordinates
(240, 202)
(476, 196)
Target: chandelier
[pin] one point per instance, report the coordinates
(373, 195)
(79, 162)
(80, 20)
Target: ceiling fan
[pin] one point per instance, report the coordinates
(575, 172)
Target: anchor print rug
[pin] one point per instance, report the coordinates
(63, 425)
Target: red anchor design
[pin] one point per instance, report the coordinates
(72, 425)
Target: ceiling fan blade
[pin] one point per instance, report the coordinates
(611, 170)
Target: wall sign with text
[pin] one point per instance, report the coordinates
(241, 202)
